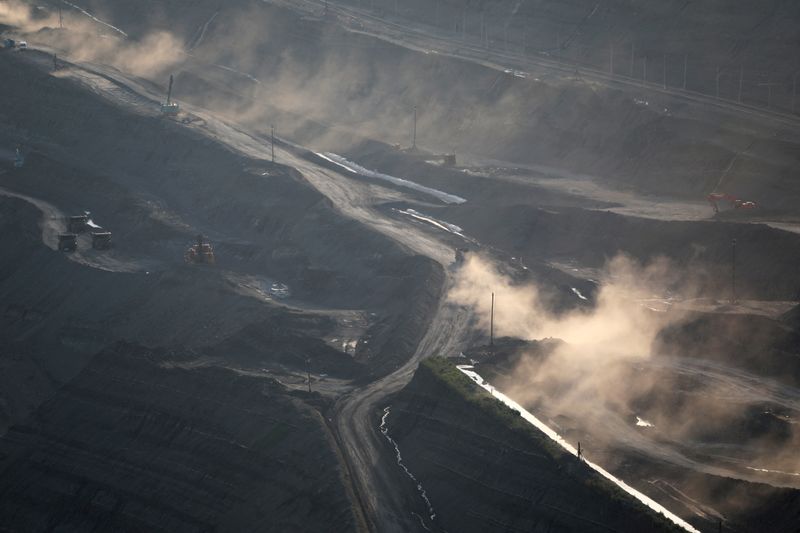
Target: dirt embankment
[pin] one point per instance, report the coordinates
(765, 261)
(761, 39)
(484, 469)
(263, 218)
(325, 86)
(156, 183)
(57, 314)
(701, 496)
(757, 344)
(137, 443)
(397, 336)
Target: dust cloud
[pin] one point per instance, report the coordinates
(606, 376)
(151, 55)
(620, 325)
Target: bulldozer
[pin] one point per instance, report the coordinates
(200, 254)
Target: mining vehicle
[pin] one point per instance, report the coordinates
(101, 240)
(735, 202)
(67, 242)
(200, 254)
(170, 108)
(78, 223)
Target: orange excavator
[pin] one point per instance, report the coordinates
(200, 254)
(715, 197)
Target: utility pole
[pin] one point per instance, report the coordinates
(272, 143)
(685, 69)
(741, 82)
(491, 325)
(633, 57)
(794, 91)
(60, 18)
(464, 24)
(733, 271)
(718, 74)
(664, 75)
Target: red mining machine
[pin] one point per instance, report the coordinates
(715, 197)
(200, 254)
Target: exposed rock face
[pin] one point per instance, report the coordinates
(484, 469)
(136, 444)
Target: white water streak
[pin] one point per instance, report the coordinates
(441, 224)
(420, 488)
(649, 502)
(579, 294)
(355, 168)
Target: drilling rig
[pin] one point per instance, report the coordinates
(715, 197)
(170, 108)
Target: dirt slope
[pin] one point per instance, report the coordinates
(328, 86)
(137, 444)
(482, 475)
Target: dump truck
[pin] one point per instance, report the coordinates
(67, 242)
(200, 254)
(101, 240)
(78, 223)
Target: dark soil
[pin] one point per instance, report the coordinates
(482, 475)
(134, 443)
